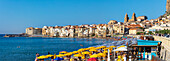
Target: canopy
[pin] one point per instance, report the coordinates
(49, 55)
(87, 49)
(86, 52)
(100, 47)
(91, 47)
(42, 57)
(106, 51)
(68, 54)
(62, 52)
(122, 46)
(74, 52)
(60, 55)
(81, 49)
(93, 50)
(103, 46)
(54, 55)
(121, 49)
(112, 46)
(95, 56)
(77, 55)
(102, 54)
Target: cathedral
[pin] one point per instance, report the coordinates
(134, 19)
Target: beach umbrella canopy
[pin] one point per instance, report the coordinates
(122, 46)
(98, 48)
(63, 52)
(91, 47)
(107, 48)
(77, 55)
(80, 50)
(103, 46)
(86, 52)
(49, 55)
(74, 52)
(60, 55)
(119, 56)
(102, 54)
(95, 56)
(87, 49)
(58, 58)
(93, 50)
(54, 56)
(112, 46)
(68, 54)
(42, 57)
(92, 59)
(106, 51)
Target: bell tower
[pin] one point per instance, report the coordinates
(126, 18)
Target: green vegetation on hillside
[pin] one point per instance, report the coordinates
(163, 32)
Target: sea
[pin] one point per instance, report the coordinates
(25, 48)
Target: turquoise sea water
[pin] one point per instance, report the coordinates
(24, 48)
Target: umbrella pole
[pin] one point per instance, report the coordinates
(108, 56)
(114, 55)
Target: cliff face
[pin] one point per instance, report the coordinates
(167, 10)
(168, 6)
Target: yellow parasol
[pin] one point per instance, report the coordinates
(83, 57)
(80, 50)
(86, 52)
(95, 56)
(87, 49)
(63, 52)
(102, 54)
(60, 55)
(106, 51)
(106, 48)
(103, 46)
(49, 55)
(42, 57)
(112, 46)
(77, 55)
(93, 50)
(54, 56)
(98, 48)
(121, 46)
(119, 56)
(68, 54)
(74, 52)
(92, 47)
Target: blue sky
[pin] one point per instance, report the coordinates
(16, 15)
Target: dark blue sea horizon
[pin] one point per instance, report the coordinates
(25, 48)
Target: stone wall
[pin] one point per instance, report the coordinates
(165, 50)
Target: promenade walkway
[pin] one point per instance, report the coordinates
(165, 50)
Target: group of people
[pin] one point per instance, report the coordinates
(101, 53)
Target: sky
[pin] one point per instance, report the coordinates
(16, 15)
